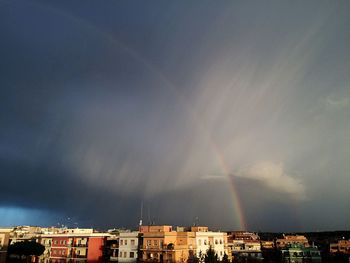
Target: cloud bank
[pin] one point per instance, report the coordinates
(274, 176)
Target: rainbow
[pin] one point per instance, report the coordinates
(236, 203)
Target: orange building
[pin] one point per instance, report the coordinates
(343, 246)
(161, 244)
(288, 240)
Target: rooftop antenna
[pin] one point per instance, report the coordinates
(196, 221)
(140, 223)
(149, 216)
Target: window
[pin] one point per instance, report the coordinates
(205, 242)
(155, 242)
(220, 241)
(55, 242)
(54, 252)
(216, 241)
(121, 254)
(199, 242)
(132, 242)
(220, 253)
(125, 254)
(125, 242)
(121, 241)
(132, 254)
(149, 242)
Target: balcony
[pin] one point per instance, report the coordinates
(80, 245)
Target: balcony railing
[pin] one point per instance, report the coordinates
(80, 245)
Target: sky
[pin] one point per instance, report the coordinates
(230, 114)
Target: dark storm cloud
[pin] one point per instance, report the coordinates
(105, 106)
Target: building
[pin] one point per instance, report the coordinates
(162, 244)
(112, 247)
(4, 243)
(128, 246)
(296, 253)
(205, 239)
(74, 247)
(289, 240)
(266, 244)
(343, 246)
(242, 244)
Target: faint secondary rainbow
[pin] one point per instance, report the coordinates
(236, 204)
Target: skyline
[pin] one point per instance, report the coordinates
(236, 113)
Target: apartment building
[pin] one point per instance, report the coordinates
(296, 253)
(4, 243)
(112, 247)
(205, 239)
(128, 246)
(342, 246)
(289, 240)
(162, 244)
(243, 244)
(74, 247)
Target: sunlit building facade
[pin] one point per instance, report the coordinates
(162, 244)
(74, 247)
(289, 240)
(4, 243)
(244, 245)
(205, 239)
(128, 246)
(342, 246)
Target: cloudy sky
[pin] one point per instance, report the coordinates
(231, 114)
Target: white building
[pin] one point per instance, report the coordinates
(206, 239)
(128, 246)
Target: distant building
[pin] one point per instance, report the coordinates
(343, 246)
(299, 254)
(265, 244)
(289, 240)
(244, 245)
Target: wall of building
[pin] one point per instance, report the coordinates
(95, 249)
(128, 246)
(4, 242)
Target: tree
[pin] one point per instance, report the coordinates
(201, 257)
(225, 259)
(211, 256)
(26, 249)
(192, 258)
